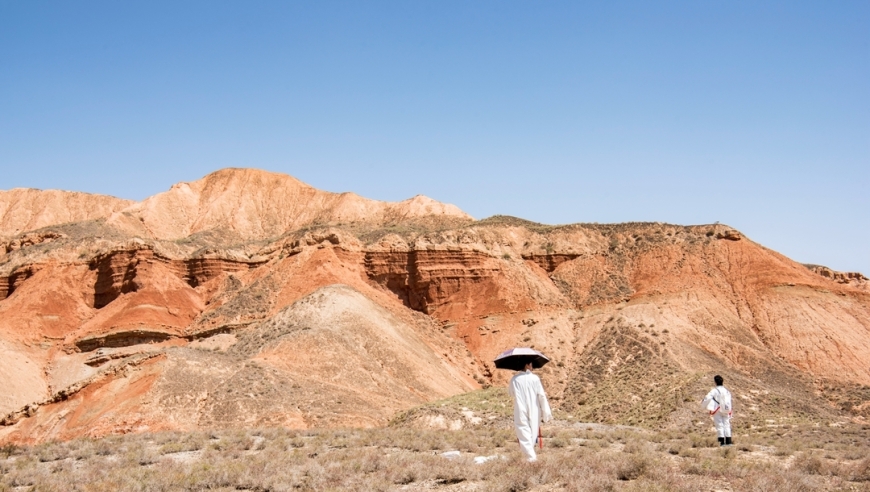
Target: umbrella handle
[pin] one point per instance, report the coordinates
(540, 438)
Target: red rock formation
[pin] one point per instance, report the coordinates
(216, 303)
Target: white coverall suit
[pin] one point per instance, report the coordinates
(721, 409)
(530, 407)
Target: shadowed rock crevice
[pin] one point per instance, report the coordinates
(549, 262)
(395, 271)
(201, 270)
(122, 339)
(116, 275)
(426, 279)
(9, 284)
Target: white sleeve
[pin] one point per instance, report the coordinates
(546, 413)
(707, 398)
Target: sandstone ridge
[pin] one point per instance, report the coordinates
(247, 203)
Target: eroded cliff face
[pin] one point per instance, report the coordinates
(108, 330)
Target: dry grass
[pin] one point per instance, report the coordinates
(575, 458)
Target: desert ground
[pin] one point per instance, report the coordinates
(482, 456)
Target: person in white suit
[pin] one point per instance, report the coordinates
(718, 403)
(530, 407)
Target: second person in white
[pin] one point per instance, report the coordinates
(718, 403)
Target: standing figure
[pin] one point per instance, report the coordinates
(530, 407)
(718, 403)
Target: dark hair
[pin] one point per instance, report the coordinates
(718, 379)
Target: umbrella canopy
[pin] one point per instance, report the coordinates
(517, 358)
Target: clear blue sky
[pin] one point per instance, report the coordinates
(754, 114)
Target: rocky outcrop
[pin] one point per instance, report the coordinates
(729, 234)
(848, 278)
(29, 239)
(64, 394)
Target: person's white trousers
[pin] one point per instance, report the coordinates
(527, 433)
(722, 421)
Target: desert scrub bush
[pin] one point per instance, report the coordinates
(105, 447)
(7, 450)
(190, 442)
(561, 440)
(660, 437)
(590, 444)
(234, 441)
(715, 467)
(855, 453)
(727, 452)
(402, 469)
(497, 438)
(272, 437)
(141, 455)
(296, 443)
(776, 479)
(811, 464)
(511, 480)
(859, 472)
(690, 452)
(51, 452)
(703, 441)
(785, 449)
(637, 446)
(678, 447)
(633, 467)
(562, 471)
(413, 440)
(81, 449)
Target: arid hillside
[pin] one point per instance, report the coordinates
(249, 299)
(24, 210)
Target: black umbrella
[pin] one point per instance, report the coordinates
(517, 358)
